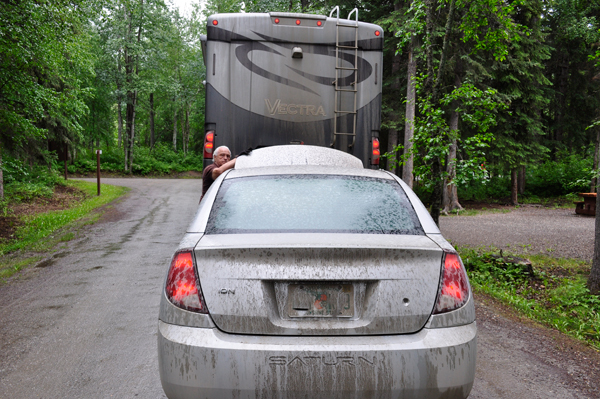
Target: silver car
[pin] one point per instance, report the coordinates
(304, 275)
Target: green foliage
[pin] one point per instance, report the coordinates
(486, 269)
(490, 26)
(23, 192)
(37, 231)
(493, 186)
(45, 60)
(164, 160)
(433, 136)
(24, 183)
(572, 27)
(68, 66)
(160, 160)
(522, 82)
(554, 294)
(571, 172)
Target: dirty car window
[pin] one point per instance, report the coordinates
(312, 203)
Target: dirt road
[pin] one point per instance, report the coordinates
(84, 326)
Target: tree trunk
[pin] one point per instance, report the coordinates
(131, 70)
(393, 132)
(304, 5)
(438, 189)
(514, 187)
(187, 129)
(129, 133)
(151, 120)
(132, 136)
(409, 124)
(521, 180)
(450, 199)
(119, 124)
(175, 127)
(1, 177)
(392, 161)
(596, 162)
(119, 113)
(594, 279)
(128, 81)
(435, 86)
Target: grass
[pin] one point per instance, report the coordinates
(562, 202)
(10, 268)
(43, 231)
(474, 212)
(554, 293)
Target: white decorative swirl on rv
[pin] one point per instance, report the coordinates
(241, 53)
(364, 68)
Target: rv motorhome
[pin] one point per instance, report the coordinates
(286, 78)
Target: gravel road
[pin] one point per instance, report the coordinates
(517, 358)
(529, 229)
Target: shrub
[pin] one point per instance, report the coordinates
(571, 172)
(160, 160)
(24, 183)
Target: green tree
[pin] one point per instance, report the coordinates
(131, 29)
(521, 79)
(445, 24)
(572, 32)
(45, 61)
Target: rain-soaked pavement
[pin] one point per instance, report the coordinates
(83, 324)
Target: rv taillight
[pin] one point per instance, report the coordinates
(376, 152)
(215, 22)
(209, 144)
(298, 22)
(454, 290)
(377, 33)
(182, 284)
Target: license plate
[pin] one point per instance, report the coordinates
(320, 300)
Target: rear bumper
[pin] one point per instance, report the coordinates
(207, 363)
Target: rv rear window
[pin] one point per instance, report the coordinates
(312, 203)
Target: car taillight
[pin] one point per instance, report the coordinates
(454, 290)
(376, 152)
(182, 285)
(209, 144)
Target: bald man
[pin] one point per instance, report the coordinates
(221, 162)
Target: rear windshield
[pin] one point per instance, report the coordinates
(312, 203)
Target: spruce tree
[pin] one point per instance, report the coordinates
(520, 77)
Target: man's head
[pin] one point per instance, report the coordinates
(221, 156)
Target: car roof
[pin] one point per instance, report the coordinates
(288, 155)
(307, 170)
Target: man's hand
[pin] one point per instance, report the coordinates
(216, 172)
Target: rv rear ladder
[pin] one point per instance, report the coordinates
(339, 69)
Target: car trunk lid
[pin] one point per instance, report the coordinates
(319, 284)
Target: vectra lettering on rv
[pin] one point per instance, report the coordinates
(292, 109)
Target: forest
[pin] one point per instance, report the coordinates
(481, 98)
